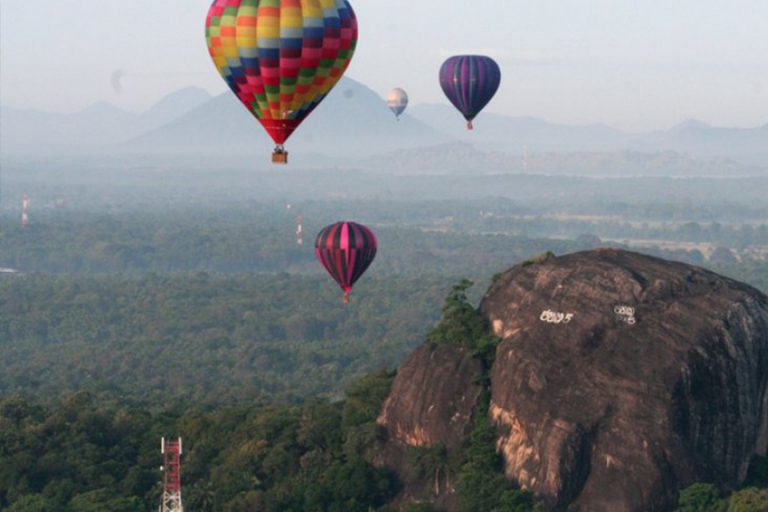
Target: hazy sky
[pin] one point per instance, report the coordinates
(632, 64)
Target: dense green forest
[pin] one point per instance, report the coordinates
(261, 238)
(206, 339)
(75, 456)
(213, 324)
(167, 307)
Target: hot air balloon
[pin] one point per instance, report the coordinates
(470, 81)
(346, 250)
(397, 101)
(281, 57)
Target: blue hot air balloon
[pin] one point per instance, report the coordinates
(470, 81)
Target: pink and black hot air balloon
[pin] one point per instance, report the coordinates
(346, 250)
(469, 82)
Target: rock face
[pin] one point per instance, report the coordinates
(432, 402)
(622, 378)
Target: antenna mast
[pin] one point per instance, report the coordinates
(25, 211)
(171, 450)
(300, 231)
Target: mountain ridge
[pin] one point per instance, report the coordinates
(353, 125)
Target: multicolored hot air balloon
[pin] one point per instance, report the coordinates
(281, 57)
(470, 81)
(397, 101)
(346, 250)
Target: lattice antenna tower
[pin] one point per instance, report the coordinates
(171, 450)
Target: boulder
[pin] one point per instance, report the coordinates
(622, 378)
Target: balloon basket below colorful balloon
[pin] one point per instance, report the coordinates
(470, 127)
(279, 156)
(345, 300)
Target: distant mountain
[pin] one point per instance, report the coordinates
(353, 128)
(512, 134)
(99, 125)
(352, 121)
(494, 132)
(698, 138)
(172, 107)
(689, 124)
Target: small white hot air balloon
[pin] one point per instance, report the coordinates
(397, 101)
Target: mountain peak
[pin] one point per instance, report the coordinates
(101, 108)
(690, 124)
(187, 97)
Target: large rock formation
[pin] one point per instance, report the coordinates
(619, 380)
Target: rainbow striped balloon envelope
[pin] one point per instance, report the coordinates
(281, 57)
(346, 250)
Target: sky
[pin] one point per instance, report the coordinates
(631, 64)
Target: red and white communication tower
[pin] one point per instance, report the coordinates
(300, 231)
(25, 211)
(171, 450)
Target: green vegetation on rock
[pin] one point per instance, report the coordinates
(701, 498)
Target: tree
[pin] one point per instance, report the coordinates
(103, 499)
(749, 500)
(365, 397)
(33, 503)
(461, 323)
(482, 484)
(431, 462)
(723, 256)
(700, 497)
(419, 507)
